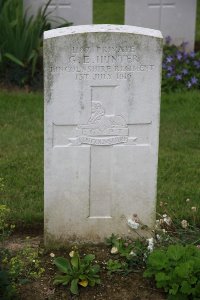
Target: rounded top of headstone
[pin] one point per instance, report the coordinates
(101, 28)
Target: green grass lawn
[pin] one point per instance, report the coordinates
(179, 152)
(108, 11)
(21, 154)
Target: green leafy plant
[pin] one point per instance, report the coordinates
(123, 247)
(115, 266)
(77, 271)
(131, 253)
(177, 270)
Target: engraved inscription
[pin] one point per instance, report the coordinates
(103, 141)
(103, 63)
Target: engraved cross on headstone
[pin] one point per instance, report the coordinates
(161, 5)
(103, 131)
(59, 7)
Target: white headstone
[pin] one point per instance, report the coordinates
(174, 18)
(79, 12)
(102, 95)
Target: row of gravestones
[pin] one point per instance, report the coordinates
(174, 18)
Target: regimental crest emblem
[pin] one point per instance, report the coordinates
(102, 129)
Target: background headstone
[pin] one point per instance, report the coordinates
(174, 18)
(79, 12)
(102, 95)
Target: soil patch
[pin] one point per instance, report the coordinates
(116, 287)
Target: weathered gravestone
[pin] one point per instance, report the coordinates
(78, 12)
(102, 94)
(175, 18)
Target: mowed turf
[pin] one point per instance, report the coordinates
(108, 11)
(179, 154)
(21, 154)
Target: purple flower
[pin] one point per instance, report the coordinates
(178, 77)
(184, 71)
(169, 59)
(196, 64)
(179, 55)
(168, 40)
(170, 68)
(194, 80)
(189, 84)
(192, 54)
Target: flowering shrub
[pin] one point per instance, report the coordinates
(181, 70)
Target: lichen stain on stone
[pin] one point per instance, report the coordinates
(51, 56)
(48, 62)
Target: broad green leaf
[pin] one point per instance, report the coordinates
(62, 264)
(161, 279)
(158, 260)
(175, 252)
(184, 270)
(193, 279)
(14, 59)
(82, 277)
(186, 288)
(89, 257)
(61, 279)
(75, 261)
(174, 289)
(94, 269)
(74, 286)
(93, 279)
